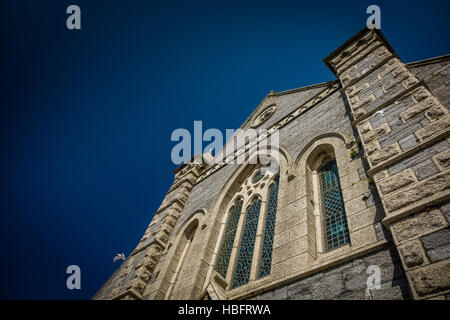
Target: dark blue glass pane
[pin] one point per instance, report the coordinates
(265, 262)
(336, 229)
(223, 258)
(241, 274)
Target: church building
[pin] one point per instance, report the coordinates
(359, 208)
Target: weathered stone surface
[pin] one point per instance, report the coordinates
(375, 133)
(437, 245)
(431, 279)
(418, 108)
(412, 254)
(445, 209)
(361, 103)
(364, 127)
(418, 191)
(327, 116)
(435, 112)
(372, 146)
(380, 175)
(277, 294)
(348, 281)
(397, 181)
(425, 169)
(436, 239)
(443, 159)
(440, 253)
(408, 142)
(434, 128)
(419, 224)
(396, 290)
(384, 154)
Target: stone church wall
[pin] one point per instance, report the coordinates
(386, 124)
(348, 281)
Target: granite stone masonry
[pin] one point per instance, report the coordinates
(363, 185)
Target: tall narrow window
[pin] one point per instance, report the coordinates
(335, 221)
(265, 261)
(241, 274)
(182, 252)
(223, 258)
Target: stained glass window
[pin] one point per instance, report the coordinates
(245, 254)
(223, 258)
(265, 261)
(335, 221)
(257, 177)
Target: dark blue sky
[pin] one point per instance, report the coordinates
(87, 115)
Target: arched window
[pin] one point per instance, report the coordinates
(181, 254)
(245, 253)
(334, 218)
(223, 258)
(245, 256)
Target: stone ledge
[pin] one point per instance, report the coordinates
(421, 224)
(417, 207)
(397, 181)
(420, 191)
(421, 146)
(384, 154)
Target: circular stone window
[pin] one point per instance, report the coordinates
(264, 115)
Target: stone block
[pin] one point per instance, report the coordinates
(289, 250)
(363, 236)
(418, 109)
(296, 263)
(443, 159)
(380, 175)
(384, 154)
(435, 112)
(376, 133)
(349, 179)
(431, 279)
(397, 181)
(418, 192)
(433, 128)
(298, 231)
(364, 127)
(418, 225)
(355, 205)
(328, 287)
(372, 146)
(407, 142)
(363, 219)
(437, 245)
(412, 254)
(280, 239)
(425, 169)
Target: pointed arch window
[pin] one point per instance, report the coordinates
(334, 217)
(245, 253)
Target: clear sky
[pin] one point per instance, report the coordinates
(87, 115)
